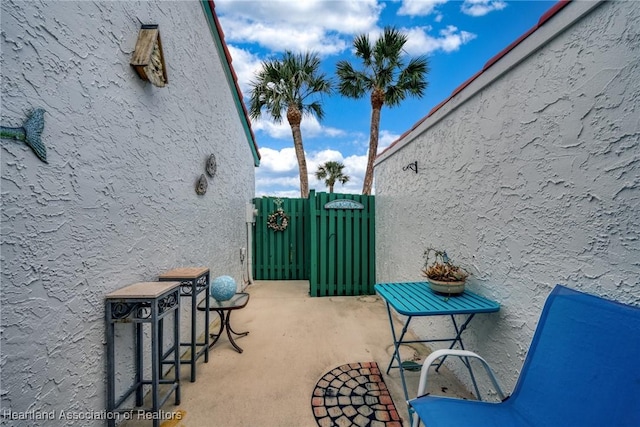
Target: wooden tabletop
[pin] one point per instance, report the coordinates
(143, 290)
(184, 273)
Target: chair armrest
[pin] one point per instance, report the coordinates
(444, 353)
(459, 353)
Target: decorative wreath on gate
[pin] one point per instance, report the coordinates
(278, 220)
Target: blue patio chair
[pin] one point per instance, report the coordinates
(582, 370)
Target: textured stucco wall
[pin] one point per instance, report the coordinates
(533, 181)
(116, 203)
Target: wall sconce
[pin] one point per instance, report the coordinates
(148, 59)
(412, 166)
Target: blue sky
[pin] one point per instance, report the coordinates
(458, 37)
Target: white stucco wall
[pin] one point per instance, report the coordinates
(529, 177)
(116, 203)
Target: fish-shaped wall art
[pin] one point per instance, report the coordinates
(29, 133)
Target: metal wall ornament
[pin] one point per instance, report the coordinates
(411, 166)
(201, 185)
(343, 204)
(278, 220)
(148, 58)
(211, 166)
(29, 133)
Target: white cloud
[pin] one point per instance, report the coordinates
(279, 38)
(385, 139)
(310, 128)
(310, 25)
(246, 65)
(280, 130)
(420, 42)
(278, 172)
(278, 161)
(420, 7)
(481, 7)
(354, 168)
(323, 156)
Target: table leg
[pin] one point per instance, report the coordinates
(458, 338)
(139, 364)
(465, 360)
(216, 337)
(194, 350)
(155, 366)
(230, 331)
(111, 371)
(206, 320)
(396, 349)
(176, 351)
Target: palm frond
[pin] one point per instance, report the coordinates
(352, 83)
(330, 172)
(314, 109)
(290, 80)
(363, 49)
(384, 76)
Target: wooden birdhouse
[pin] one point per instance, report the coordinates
(148, 59)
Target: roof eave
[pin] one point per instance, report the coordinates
(232, 79)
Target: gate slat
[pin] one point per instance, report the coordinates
(365, 259)
(349, 243)
(313, 245)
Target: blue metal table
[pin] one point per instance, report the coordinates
(416, 299)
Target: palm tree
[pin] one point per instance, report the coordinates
(385, 77)
(331, 172)
(287, 85)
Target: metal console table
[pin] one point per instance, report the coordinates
(414, 299)
(137, 304)
(224, 309)
(193, 281)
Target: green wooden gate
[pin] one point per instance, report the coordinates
(280, 255)
(330, 241)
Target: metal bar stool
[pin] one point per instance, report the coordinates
(193, 281)
(137, 304)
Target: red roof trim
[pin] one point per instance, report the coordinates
(462, 86)
(543, 19)
(227, 54)
(554, 9)
(506, 50)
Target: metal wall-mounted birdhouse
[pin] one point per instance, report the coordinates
(148, 59)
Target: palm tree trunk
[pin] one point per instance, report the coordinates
(302, 161)
(295, 117)
(373, 149)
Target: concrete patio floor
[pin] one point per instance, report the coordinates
(293, 341)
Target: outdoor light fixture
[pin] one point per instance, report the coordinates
(148, 59)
